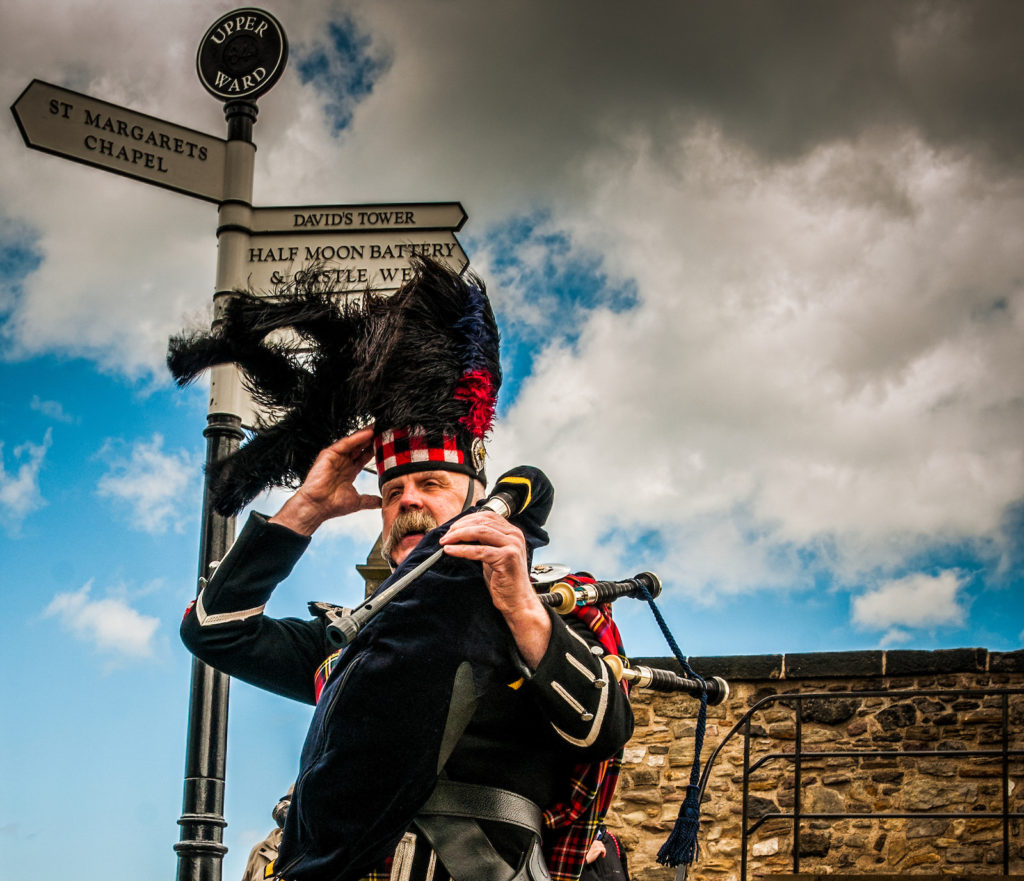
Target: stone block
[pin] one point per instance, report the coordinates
(920, 858)
(820, 800)
(728, 848)
(896, 850)
(829, 711)
(832, 665)
(887, 776)
(983, 717)
(909, 662)
(926, 828)
(937, 768)
(783, 731)
(896, 716)
(993, 855)
(685, 730)
(765, 848)
(1006, 662)
(816, 735)
(642, 777)
(633, 754)
(758, 807)
(739, 667)
(929, 705)
(977, 770)
(925, 794)
(856, 728)
(959, 855)
(924, 735)
(776, 714)
(815, 844)
(966, 704)
(648, 795)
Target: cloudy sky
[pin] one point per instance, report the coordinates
(758, 271)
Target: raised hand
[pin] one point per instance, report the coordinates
(500, 546)
(328, 490)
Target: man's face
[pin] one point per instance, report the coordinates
(413, 504)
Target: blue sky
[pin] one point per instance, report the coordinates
(762, 314)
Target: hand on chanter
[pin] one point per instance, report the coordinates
(329, 489)
(501, 548)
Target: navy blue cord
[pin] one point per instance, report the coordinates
(681, 846)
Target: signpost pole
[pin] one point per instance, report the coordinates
(200, 848)
(240, 57)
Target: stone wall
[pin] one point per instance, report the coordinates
(906, 717)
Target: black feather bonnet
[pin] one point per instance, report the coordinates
(421, 366)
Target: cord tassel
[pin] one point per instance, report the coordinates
(681, 846)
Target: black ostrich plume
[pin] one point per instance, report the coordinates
(321, 365)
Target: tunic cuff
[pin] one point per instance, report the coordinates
(573, 684)
(261, 557)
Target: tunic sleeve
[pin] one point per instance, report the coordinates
(585, 705)
(226, 628)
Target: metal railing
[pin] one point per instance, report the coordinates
(800, 755)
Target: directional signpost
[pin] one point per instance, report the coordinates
(117, 139)
(353, 247)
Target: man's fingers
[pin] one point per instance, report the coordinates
(357, 446)
(368, 503)
(486, 546)
(485, 528)
(467, 552)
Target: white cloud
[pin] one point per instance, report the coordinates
(109, 624)
(825, 351)
(795, 367)
(153, 484)
(917, 601)
(51, 409)
(19, 492)
(895, 636)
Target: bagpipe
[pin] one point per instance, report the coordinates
(563, 597)
(346, 819)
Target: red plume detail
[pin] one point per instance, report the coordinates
(477, 387)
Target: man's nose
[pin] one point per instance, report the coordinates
(411, 498)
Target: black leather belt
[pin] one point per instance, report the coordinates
(450, 822)
(454, 799)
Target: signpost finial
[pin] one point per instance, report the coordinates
(242, 55)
